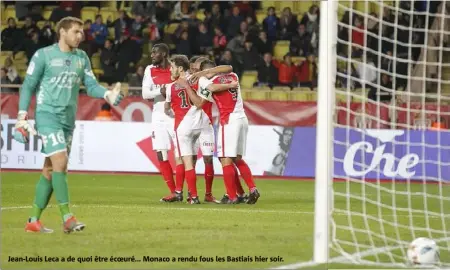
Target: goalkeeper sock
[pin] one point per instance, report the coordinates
(228, 178)
(209, 177)
(240, 191)
(179, 177)
(44, 191)
(167, 173)
(59, 180)
(191, 179)
(246, 173)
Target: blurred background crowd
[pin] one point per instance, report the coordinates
(270, 44)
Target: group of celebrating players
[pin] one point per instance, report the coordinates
(183, 92)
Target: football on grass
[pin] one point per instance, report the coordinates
(423, 251)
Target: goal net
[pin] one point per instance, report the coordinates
(388, 107)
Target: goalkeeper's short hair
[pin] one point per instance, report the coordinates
(66, 23)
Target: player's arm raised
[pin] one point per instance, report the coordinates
(211, 72)
(149, 89)
(94, 89)
(35, 71)
(195, 99)
(222, 87)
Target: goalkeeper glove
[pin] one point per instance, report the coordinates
(114, 96)
(23, 129)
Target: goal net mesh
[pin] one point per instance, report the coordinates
(391, 130)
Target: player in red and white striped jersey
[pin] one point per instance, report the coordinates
(155, 76)
(207, 108)
(232, 137)
(191, 123)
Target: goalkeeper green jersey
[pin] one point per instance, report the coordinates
(56, 76)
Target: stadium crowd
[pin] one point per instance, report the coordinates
(273, 43)
(388, 46)
(226, 32)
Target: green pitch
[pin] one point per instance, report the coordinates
(124, 218)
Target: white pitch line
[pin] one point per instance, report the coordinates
(140, 207)
(193, 208)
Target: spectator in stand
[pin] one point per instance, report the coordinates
(234, 23)
(138, 9)
(245, 9)
(47, 35)
(11, 36)
(263, 44)
(343, 34)
(108, 60)
(136, 29)
(311, 20)
(307, 72)
(5, 80)
(403, 53)
(126, 53)
(267, 72)
(32, 45)
(253, 27)
(21, 8)
(387, 62)
(439, 124)
(358, 37)
(219, 41)
(228, 59)
(385, 89)
(250, 57)
(66, 8)
(288, 24)
(162, 15)
(105, 113)
(184, 45)
(153, 32)
(271, 24)
(88, 42)
(136, 36)
(366, 73)
(193, 20)
(286, 71)
(183, 26)
(203, 39)
(120, 24)
(301, 42)
(136, 79)
(243, 29)
(11, 71)
(99, 32)
(182, 10)
(236, 45)
(372, 36)
(36, 13)
(216, 19)
(29, 27)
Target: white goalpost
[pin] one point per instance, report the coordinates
(383, 131)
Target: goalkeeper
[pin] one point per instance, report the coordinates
(55, 73)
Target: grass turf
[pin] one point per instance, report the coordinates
(124, 218)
